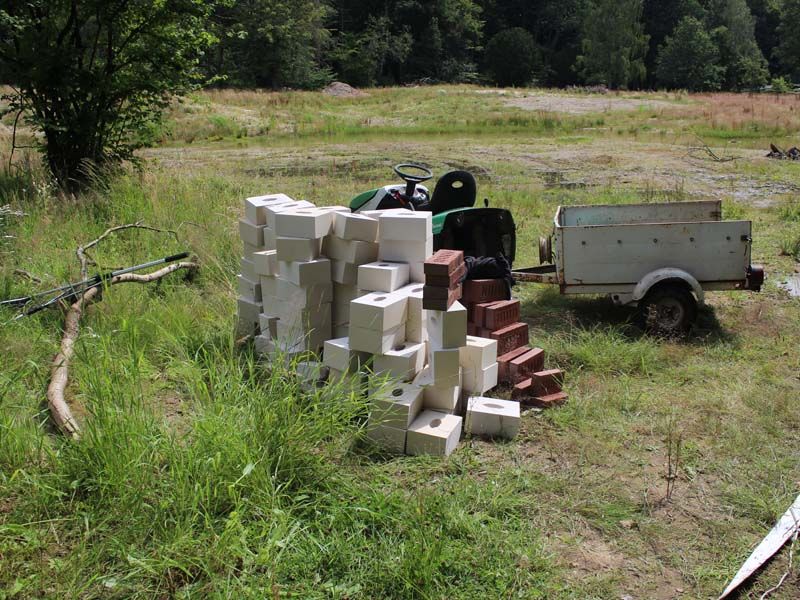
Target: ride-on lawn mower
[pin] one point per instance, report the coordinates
(457, 223)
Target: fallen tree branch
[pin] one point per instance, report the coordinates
(59, 370)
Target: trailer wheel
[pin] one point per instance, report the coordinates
(668, 310)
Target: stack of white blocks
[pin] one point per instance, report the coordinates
(353, 284)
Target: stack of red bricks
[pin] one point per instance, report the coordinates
(443, 274)
(493, 316)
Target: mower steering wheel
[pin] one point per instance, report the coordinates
(411, 178)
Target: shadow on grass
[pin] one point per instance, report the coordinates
(553, 313)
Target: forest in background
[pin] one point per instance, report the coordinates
(698, 45)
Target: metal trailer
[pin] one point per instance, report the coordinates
(660, 257)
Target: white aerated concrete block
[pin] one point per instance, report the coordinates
(379, 311)
(292, 338)
(344, 272)
(291, 249)
(302, 320)
(387, 438)
(416, 321)
(338, 355)
(478, 353)
(268, 325)
(269, 239)
(249, 268)
(479, 381)
(249, 288)
(353, 226)
(249, 310)
(416, 272)
(382, 276)
(251, 234)
(433, 432)
(248, 250)
(445, 367)
(344, 294)
(266, 263)
(403, 362)
(492, 417)
(406, 225)
(448, 328)
(275, 210)
(297, 296)
(340, 331)
(306, 273)
(311, 371)
(304, 222)
(373, 341)
(443, 395)
(407, 251)
(254, 207)
(396, 405)
(263, 344)
(269, 289)
(352, 251)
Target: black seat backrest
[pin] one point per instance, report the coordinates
(456, 189)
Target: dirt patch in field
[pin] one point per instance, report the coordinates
(342, 90)
(583, 105)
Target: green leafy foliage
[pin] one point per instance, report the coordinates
(511, 57)
(788, 50)
(689, 59)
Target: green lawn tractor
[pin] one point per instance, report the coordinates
(458, 224)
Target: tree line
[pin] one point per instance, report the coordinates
(699, 45)
(92, 77)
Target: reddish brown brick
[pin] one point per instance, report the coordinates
(501, 314)
(504, 361)
(485, 290)
(511, 337)
(438, 298)
(472, 329)
(525, 365)
(443, 262)
(480, 314)
(548, 382)
(547, 401)
(522, 390)
(450, 280)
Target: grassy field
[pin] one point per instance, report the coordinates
(203, 473)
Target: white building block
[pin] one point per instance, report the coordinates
(344, 293)
(354, 226)
(478, 353)
(352, 251)
(445, 366)
(269, 288)
(373, 341)
(263, 344)
(266, 263)
(479, 381)
(290, 249)
(254, 207)
(268, 325)
(344, 272)
(406, 225)
(407, 251)
(311, 371)
(249, 288)
(248, 250)
(448, 329)
(302, 320)
(387, 438)
(305, 273)
(302, 296)
(443, 395)
(492, 417)
(402, 363)
(338, 355)
(248, 310)
(340, 330)
(340, 313)
(416, 271)
(379, 311)
(269, 239)
(274, 210)
(249, 268)
(396, 405)
(251, 234)
(382, 276)
(309, 222)
(433, 432)
(294, 339)
(416, 321)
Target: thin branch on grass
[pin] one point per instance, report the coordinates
(693, 152)
(22, 273)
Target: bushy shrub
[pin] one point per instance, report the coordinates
(512, 57)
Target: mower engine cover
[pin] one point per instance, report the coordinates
(391, 196)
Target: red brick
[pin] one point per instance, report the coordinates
(501, 314)
(548, 382)
(443, 262)
(524, 366)
(472, 329)
(547, 401)
(480, 313)
(504, 361)
(511, 337)
(485, 290)
(436, 298)
(522, 390)
(450, 280)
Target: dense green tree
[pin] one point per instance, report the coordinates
(689, 59)
(661, 17)
(788, 50)
(270, 43)
(614, 44)
(511, 57)
(732, 26)
(767, 14)
(92, 76)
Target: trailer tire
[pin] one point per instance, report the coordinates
(668, 309)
